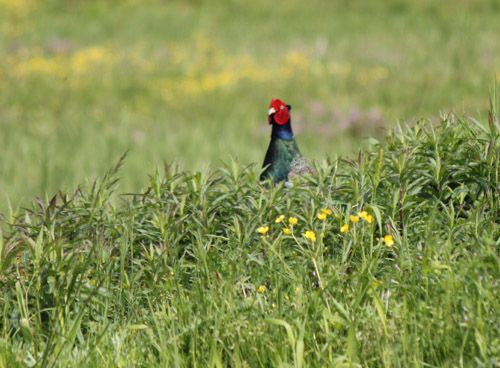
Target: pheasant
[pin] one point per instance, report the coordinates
(283, 159)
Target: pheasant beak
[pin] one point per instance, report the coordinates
(270, 113)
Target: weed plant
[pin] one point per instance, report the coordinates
(387, 260)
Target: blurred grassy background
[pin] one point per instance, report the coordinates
(83, 81)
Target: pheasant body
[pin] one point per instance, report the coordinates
(280, 156)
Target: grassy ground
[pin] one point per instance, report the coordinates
(83, 81)
(389, 260)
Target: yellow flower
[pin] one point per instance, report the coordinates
(279, 219)
(309, 235)
(354, 218)
(287, 231)
(389, 240)
(261, 289)
(321, 216)
(365, 216)
(344, 228)
(293, 221)
(263, 230)
(326, 211)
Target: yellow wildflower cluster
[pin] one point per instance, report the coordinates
(287, 229)
(295, 61)
(291, 222)
(81, 62)
(280, 219)
(311, 235)
(17, 7)
(365, 216)
(321, 216)
(355, 219)
(324, 213)
(288, 225)
(193, 69)
(39, 65)
(208, 68)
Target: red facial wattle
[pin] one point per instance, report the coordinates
(279, 111)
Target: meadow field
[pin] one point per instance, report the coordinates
(81, 82)
(388, 260)
(175, 255)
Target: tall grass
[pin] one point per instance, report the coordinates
(179, 275)
(83, 81)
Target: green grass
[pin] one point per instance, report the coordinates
(178, 275)
(83, 81)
